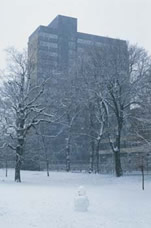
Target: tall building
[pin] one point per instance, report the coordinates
(56, 46)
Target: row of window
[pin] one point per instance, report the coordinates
(89, 42)
(82, 41)
(48, 35)
(46, 64)
(48, 44)
(48, 39)
(48, 55)
(71, 52)
(71, 44)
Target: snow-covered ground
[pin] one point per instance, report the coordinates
(48, 202)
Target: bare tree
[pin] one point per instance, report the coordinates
(70, 107)
(140, 71)
(109, 82)
(91, 84)
(23, 106)
(127, 79)
(46, 154)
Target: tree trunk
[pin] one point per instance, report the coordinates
(98, 156)
(91, 159)
(118, 168)
(142, 169)
(20, 122)
(17, 169)
(97, 163)
(117, 153)
(68, 162)
(46, 155)
(19, 153)
(6, 168)
(47, 164)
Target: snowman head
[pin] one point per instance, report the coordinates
(81, 191)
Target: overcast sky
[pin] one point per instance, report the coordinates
(124, 19)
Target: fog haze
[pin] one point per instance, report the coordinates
(124, 19)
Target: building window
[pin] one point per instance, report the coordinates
(80, 50)
(71, 53)
(87, 42)
(48, 44)
(47, 54)
(98, 44)
(53, 54)
(72, 45)
(48, 35)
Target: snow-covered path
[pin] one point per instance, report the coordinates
(44, 202)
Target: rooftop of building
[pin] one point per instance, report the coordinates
(53, 27)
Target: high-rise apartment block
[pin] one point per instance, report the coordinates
(56, 46)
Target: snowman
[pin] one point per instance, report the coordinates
(81, 201)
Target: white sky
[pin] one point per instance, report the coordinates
(124, 19)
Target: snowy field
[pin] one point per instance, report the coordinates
(44, 202)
